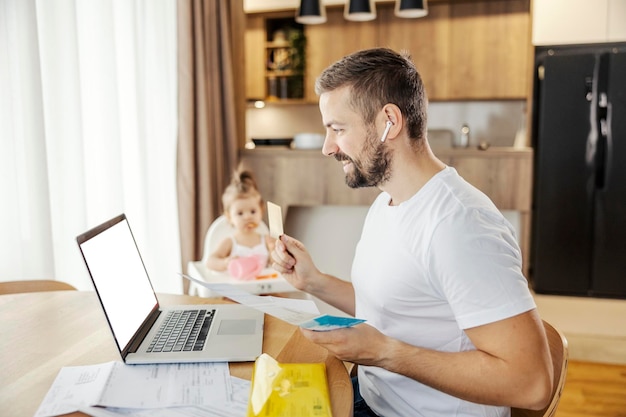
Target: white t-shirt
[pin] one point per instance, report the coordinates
(443, 261)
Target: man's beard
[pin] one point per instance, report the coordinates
(373, 166)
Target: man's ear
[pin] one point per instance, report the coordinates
(391, 113)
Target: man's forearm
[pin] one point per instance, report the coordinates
(334, 291)
(519, 378)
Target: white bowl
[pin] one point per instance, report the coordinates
(308, 141)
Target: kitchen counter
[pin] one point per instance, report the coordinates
(503, 173)
(306, 177)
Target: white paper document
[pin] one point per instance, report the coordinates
(115, 384)
(236, 406)
(303, 313)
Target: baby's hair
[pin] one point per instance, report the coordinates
(242, 185)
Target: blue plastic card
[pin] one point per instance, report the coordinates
(326, 322)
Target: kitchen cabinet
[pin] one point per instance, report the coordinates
(254, 43)
(490, 53)
(426, 39)
(561, 22)
(274, 58)
(616, 16)
(463, 50)
(306, 177)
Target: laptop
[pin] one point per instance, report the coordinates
(146, 332)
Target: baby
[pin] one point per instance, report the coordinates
(246, 252)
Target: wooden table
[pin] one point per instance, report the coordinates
(42, 332)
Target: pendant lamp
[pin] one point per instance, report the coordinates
(311, 12)
(411, 8)
(360, 10)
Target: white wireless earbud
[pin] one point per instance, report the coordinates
(386, 132)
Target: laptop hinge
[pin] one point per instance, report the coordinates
(139, 337)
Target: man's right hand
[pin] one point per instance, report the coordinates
(291, 258)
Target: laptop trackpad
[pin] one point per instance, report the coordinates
(233, 327)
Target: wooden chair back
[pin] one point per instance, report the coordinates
(16, 287)
(559, 354)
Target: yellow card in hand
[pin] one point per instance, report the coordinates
(275, 217)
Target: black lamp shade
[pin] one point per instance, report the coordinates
(311, 12)
(360, 10)
(411, 8)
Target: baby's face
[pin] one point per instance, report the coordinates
(245, 213)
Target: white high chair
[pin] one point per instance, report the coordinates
(219, 230)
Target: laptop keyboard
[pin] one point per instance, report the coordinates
(182, 331)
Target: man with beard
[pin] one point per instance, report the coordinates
(452, 329)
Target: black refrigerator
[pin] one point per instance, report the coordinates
(578, 244)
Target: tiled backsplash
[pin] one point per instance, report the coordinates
(495, 122)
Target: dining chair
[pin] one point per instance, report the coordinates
(38, 285)
(560, 354)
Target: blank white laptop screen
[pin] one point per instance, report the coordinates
(123, 285)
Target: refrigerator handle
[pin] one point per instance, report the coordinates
(602, 126)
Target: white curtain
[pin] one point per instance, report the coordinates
(88, 128)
